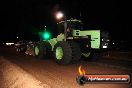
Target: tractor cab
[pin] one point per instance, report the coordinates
(95, 38)
(72, 24)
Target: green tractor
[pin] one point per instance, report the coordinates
(72, 43)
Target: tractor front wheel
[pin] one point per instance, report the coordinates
(63, 53)
(42, 50)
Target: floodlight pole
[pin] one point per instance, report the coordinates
(65, 27)
(61, 15)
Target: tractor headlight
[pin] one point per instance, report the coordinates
(105, 46)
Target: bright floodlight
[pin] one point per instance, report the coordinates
(59, 15)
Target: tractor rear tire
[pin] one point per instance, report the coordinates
(42, 50)
(76, 51)
(63, 53)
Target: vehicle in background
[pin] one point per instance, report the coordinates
(20, 46)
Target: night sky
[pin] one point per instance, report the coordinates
(24, 18)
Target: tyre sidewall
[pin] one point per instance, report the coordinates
(67, 53)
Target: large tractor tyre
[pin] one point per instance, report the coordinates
(63, 53)
(41, 50)
(76, 51)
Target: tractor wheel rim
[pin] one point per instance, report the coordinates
(36, 50)
(86, 54)
(59, 53)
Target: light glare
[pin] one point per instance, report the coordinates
(59, 15)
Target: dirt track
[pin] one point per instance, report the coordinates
(48, 73)
(15, 77)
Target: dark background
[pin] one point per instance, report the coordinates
(24, 18)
